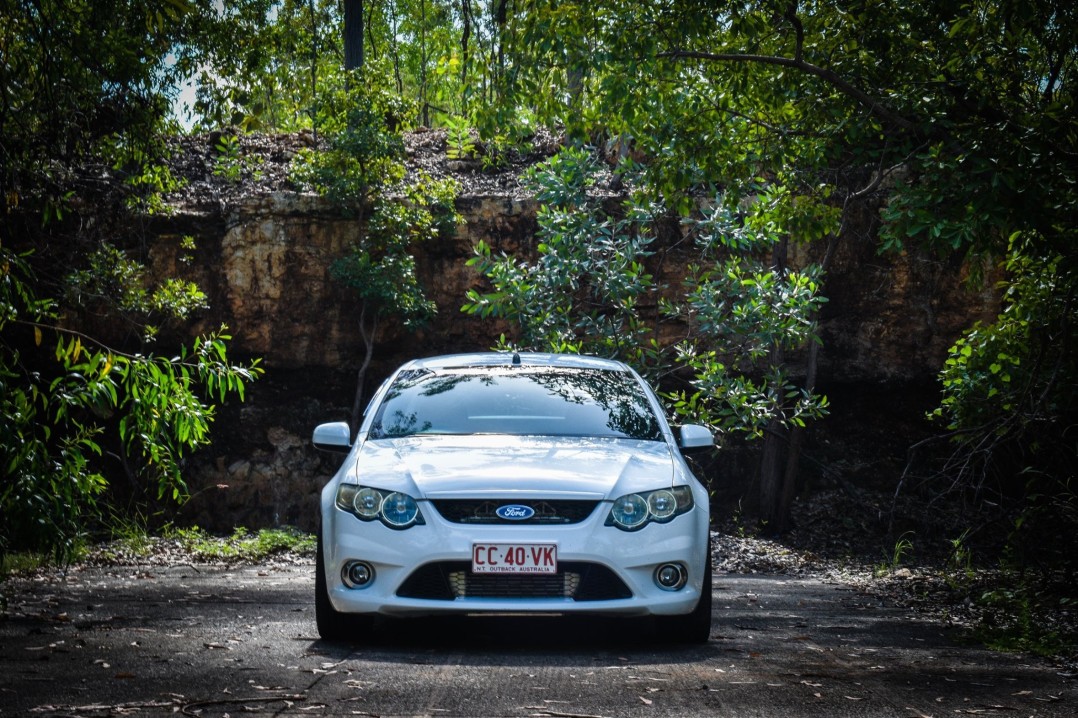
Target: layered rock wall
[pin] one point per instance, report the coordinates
(264, 262)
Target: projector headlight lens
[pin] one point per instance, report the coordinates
(635, 511)
(394, 509)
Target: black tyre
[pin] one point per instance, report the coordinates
(332, 624)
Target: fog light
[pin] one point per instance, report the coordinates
(357, 574)
(670, 576)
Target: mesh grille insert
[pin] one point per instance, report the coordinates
(450, 580)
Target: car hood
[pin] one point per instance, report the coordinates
(510, 466)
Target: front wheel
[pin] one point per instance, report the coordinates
(332, 624)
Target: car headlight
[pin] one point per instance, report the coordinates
(635, 511)
(393, 508)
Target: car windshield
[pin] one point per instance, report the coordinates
(517, 401)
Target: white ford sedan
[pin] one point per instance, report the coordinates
(514, 483)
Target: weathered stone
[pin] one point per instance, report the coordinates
(282, 439)
(239, 470)
(265, 260)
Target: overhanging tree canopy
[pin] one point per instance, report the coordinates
(961, 115)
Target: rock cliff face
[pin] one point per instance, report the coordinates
(264, 262)
(265, 265)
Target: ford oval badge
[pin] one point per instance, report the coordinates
(515, 512)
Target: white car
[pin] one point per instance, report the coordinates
(499, 483)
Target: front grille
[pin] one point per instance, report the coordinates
(449, 580)
(465, 584)
(480, 511)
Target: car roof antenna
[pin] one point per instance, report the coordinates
(516, 358)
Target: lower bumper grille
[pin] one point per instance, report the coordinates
(450, 580)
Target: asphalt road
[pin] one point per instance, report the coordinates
(242, 641)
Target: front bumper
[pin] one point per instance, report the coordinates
(423, 570)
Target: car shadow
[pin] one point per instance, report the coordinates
(483, 639)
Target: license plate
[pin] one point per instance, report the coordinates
(514, 558)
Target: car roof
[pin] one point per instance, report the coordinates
(525, 359)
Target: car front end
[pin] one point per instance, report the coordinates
(430, 521)
(597, 564)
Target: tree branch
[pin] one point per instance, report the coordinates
(834, 79)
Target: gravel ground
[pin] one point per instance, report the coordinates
(924, 574)
(859, 554)
(830, 551)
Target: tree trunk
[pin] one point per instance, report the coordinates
(368, 329)
(501, 16)
(424, 105)
(395, 49)
(793, 452)
(776, 435)
(465, 51)
(797, 433)
(353, 34)
(369, 48)
(314, 69)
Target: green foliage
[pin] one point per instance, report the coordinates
(966, 136)
(584, 291)
(975, 105)
(76, 78)
(129, 535)
(959, 567)
(589, 286)
(61, 408)
(383, 273)
(276, 66)
(497, 151)
(229, 161)
(113, 282)
(1011, 621)
(363, 171)
(747, 314)
(365, 157)
(1010, 388)
(974, 109)
(139, 161)
(19, 563)
(243, 545)
(781, 111)
(459, 142)
(260, 65)
(85, 96)
(903, 547)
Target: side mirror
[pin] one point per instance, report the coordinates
(693, 437)
(334, 436)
